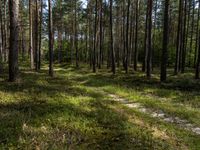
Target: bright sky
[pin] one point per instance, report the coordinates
(84, 3)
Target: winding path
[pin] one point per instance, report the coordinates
(185, 124)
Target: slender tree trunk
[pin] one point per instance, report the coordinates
(101, 33)
(1, 33)
(178, 46)
(198, 62)
(40, 40)
(184, 39)
(94, 43)
(127, 36)
(51, 73)
(149, 55)
(5, 50)
(14, 35)
(36, 37)
(145, 42)
(132, 33)
(76, 36)
(60, 32)
(136, 35)
(197, 39)
(124, 34)
(192, 31)
(163, 75)
(31, 35)
(111, 38)
(154, 31)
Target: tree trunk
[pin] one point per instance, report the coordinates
(14, 36)
(94, 43)
(197, 39)
(40, 36)
(179, 33)
(1, 33)
(145, 42)
(60, 33)
(136, 35)
(163, 75)
(51, 73)
(192, 31)
(184, 39)
(75, 34)
(5, 52)
(127, 36)
(111, 39)
(149, 55)
(31, 35)
(36, 37)
(101, 33)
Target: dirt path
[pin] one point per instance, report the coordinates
(185, 124)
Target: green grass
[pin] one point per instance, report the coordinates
(69, 111)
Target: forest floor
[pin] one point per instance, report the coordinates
(78, 109)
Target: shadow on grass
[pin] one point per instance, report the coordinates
(139, 82)
(40, 122)
(182, 88)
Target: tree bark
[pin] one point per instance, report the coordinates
(94, 43)
(31, 35)
(51, 73)
(197, 39)
(163, 75)
(40, 36)
(179, 33)
(14, 36)
(149, 29)
(136, 35)
(36, 37)
(111, 39)
(127, 36)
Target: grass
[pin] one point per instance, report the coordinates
(70, 111)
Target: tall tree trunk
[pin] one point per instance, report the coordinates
(163, 75)
(31, 35)
(94, 43)
(14, 35)
(197, 39)
(192, 31)
(136, 35)
(179, 33)
(184, 39)
(101, 33)
(149, 29)
(51, 73)
(1, 33)
(111, 39)
(40, 40)
(124, 33)
(127, 36)
(198, 58)
(154, 31)
(36, 37)
(145, 42)
(75, 34)
(5, 33)
(60, 33)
